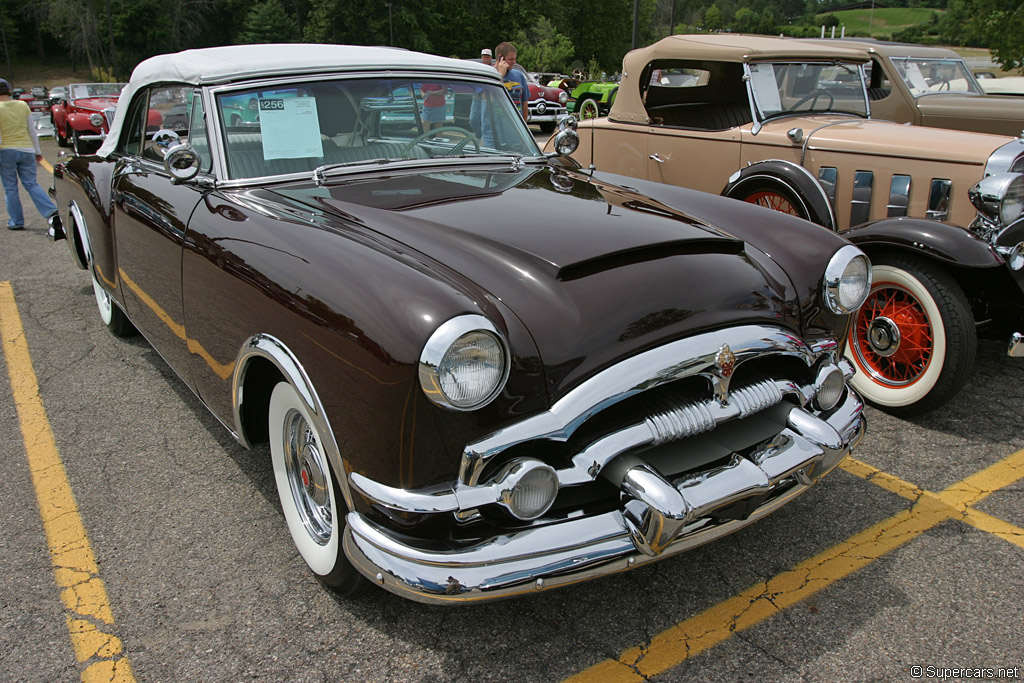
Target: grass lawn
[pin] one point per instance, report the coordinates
(881, 22)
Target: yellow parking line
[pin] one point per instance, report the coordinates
(46, 164)
(88, 612)
(749, 608)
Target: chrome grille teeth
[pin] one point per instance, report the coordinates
(678, 418)
(756, 397)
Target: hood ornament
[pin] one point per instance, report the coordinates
(725, 361)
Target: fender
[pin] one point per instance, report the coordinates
(81, 122)
(939, 241)
(270, 349)
(796, 177)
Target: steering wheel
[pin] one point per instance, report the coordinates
(450, 129)
(814, 95)
(579, 74)
(943, 84)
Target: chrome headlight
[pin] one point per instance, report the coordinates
(999, 197)
(96, 120)
(847, 280)
(464, 364)
(563, 97)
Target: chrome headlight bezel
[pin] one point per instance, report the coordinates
(848, 268)
(1000, 197)
(96, 120)
(434, 358)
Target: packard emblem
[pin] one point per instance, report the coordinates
(726, 361)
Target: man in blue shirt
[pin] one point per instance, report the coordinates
(506, 54)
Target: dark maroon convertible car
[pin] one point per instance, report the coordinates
(461, 403)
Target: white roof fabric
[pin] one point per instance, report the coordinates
(237, 62)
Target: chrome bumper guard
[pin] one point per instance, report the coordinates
(658, 519)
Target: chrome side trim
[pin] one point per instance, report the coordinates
(273, 350)
(938, 199)
(863, 189)
(899, 195)
(73, 235)
(577, 549)
(632, 376)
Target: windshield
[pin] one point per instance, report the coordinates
(926, 76)
(298, 128)
(96, 90)
(808, 87)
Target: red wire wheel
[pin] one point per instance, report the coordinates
(770, 199)
(913, 341)
(894, 340)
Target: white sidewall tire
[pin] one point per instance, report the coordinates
(896, 397)
(103, 300)
(321, 558)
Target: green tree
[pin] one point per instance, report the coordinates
(995, 24)
(713, 18)
(269, 22)
(543, 48)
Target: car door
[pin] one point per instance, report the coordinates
(150, 216)
(694, 138)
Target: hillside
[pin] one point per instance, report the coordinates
(881, 22)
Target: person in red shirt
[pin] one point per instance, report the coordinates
(433, 105)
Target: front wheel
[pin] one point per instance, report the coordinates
(62, 141)
(588, 109)
(309, 493)
(778, 195)
(913, 340)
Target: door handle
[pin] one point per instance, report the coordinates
(657, 157)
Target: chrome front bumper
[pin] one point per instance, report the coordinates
(657, 519)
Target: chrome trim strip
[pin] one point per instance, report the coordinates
(938, 199)
(632, 376)
(273, 350)
(863, 189)
(578, 549)
(899, 195)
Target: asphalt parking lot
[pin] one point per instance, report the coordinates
(139, 542)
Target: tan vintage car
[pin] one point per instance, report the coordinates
(932, 86)
(786, 124)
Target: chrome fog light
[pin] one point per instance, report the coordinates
(829, 386)
(847, 280)
(999, 197)
(464, 364)
(527, 488)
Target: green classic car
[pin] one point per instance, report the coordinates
(588, 99)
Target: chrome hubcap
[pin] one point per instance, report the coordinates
(884, 337)
(308, 477)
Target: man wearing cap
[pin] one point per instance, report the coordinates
(486, 57)
(18, 145)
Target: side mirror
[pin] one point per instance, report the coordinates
(181, 161)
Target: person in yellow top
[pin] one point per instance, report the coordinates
(18, 144)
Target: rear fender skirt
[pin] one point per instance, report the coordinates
(937, 241)
(796, 177)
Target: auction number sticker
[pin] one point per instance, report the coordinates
(290, 128)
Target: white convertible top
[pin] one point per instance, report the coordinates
(238, 62)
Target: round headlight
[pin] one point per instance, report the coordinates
(96, 120)
(566, 141)
(829, 387)
(528, 488)
(999, 197)
(847, 280)
(464, 364)
(563, 97)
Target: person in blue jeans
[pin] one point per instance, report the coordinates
(19, 154)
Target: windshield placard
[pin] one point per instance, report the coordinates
(290, 128)
(766, 89)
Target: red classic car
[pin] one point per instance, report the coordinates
(83, 116)
(546, 105)
(459, 404)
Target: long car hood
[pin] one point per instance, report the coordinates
(95, 103)
(973, 112)
(594, 271)
(881, 138)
